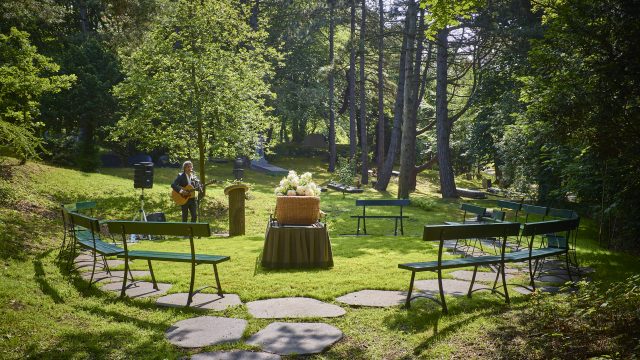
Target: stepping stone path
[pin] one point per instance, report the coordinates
(115, 275)
(480, 276)
(296, 338)
(379, 298)
(451, 287)
(547, 289)
(235, 355)
(138, 289)
(561, 279)
(85, 260)
(200, 301)
(293, 307)
(204, 331)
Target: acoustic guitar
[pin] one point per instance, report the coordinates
(191, 193)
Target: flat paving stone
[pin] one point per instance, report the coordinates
(202, 301)
(547, 289)
(293, 307)
(379, 298)
(296, 338)
(103, 276)
(204, 331)
(482, 276)
(451, 287)
(235, 355)
(554, 278)
(138, 289)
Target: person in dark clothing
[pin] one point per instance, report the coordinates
(187, 177)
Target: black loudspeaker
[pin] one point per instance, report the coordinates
(143, 175)
(156, 217)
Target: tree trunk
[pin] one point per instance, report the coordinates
(352, 84)
(384, 175)
(443, 125)
(415, 89)
(332, 114)
(364, 148)
(381, 124)
(198, 116)
(408, 144)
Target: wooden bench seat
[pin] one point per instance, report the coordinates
(381, 202)
(189, 230)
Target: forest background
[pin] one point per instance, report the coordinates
(544, 93)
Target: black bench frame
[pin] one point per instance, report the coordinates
(381, 202)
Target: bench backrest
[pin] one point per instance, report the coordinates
(84, 221)
(474, 209)
(383, 202)
(498, 215)
(159, 228)
(511, 205)
(549, 227)
(562, 213)
(469, 231)
(534, 210)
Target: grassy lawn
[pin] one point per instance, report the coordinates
(45, 313)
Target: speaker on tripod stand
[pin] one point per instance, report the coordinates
(142, 179)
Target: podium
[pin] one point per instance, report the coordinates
(291, 247)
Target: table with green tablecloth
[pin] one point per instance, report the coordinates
(296, 246)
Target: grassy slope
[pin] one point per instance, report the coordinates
(44, 313)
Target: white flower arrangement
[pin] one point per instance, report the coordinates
(294, 185)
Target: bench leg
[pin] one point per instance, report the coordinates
(566, 256)
(124, 277)
(364, 225)
(395, 229)
(407, 303)
(444, 303)
(106, 265)
(473, 279)
(93, 269)
(495, 281)
(358, 228)
(504, 283)
(532, 274)
(153, 278)
(193, 280)
(401, 227)
(215, 271)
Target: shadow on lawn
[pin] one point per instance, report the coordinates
(426, 314)
(41, 279)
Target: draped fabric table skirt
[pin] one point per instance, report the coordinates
(297, 246)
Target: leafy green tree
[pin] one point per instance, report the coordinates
(197, 83)
(25, 76)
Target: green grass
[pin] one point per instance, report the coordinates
(45, 313)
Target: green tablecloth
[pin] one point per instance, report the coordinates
(297, 246)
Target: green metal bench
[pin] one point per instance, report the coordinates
(462, 231)
(513, 206)
(381, 202)
(540, 230)
(78, 207)
(86, 234)
(170, 229)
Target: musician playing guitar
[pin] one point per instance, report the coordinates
(187, 179)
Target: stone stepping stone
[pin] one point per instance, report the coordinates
(293, 307)
(451, 287)
(296, 338)
(547, 289)
(235, 355)
(115, 275)
(554, 278)
(483, 276)
(204, 331)
(138, 289)
(202, 301)
(379, 298)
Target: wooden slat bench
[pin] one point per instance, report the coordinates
(381, 202)
(442, 233)
(190, 230)
(86, 234)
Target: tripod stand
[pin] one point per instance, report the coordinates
(142, 216)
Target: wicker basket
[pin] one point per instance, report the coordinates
(297, 210)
